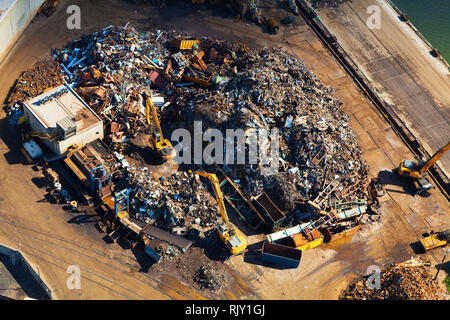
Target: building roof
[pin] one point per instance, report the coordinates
(60, 104)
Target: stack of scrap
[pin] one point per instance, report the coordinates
(173, 202)
(43, 75)
(208, 277)
(399, 282)
(224, 85)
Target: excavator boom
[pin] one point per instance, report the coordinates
(233, 238)
(219, 196)
(162, 146)
(151, 106)
(434, 158)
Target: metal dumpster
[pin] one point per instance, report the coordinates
(314, 239)
(269, 209)
(280, 254)
(152, 254)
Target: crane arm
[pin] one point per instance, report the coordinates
(150, 105)
(434, 158)
(219, 196)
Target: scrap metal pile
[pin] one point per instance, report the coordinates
(226, 86)
(405, 281)
(31, 83)
(172, 201)
(326, 3)
(208, 277)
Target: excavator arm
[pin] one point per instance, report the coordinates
(219, 196)
(434, 158)
(150, 107)
(233, 238)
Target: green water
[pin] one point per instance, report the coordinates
(432, 18)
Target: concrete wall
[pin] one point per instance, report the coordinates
(17, 257)
(12, 24)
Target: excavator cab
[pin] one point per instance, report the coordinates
(408, 168)
(161, 146)
(417, 170)
(233, 239)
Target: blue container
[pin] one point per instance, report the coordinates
(282, 255)
(152, 254)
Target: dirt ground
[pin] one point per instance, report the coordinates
(53, 239)
(401, 67)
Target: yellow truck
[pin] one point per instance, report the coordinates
(435, 240)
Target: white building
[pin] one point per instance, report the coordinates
(64, 118)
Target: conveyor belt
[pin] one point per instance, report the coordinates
(157, 233)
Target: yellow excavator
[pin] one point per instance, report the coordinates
(233, 238)
(162, 147)
(417, 170)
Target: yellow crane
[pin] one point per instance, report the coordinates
(231, 236)
(416, 170)
(163, 147)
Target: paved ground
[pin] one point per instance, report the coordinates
(400, 65)
(50, 239)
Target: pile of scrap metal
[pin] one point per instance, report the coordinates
(250, 10)
(221, 85)
(43, 75)
(410, 280)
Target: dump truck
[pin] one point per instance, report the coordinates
(435, 240)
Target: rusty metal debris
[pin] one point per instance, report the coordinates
(209, 277)
(404, 281)
(43, 75)
(224, 85)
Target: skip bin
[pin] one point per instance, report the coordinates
(280, 254)
(314, 239)
(272, 212)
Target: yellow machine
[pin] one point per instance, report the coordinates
(232, 237)
(416, 170)
(435, 240)
(163, 147)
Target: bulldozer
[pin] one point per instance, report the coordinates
(417, 170)
(162, 147)
(232, 237)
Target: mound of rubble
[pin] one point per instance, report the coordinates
(405, 281)
(173, 201)
(43, 75)
(224, 85)
(208, 277)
